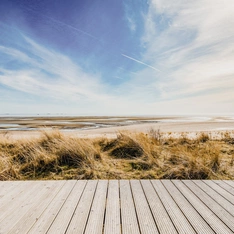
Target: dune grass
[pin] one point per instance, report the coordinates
(129, 156)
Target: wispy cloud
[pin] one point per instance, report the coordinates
(129, 16)
(192, 46)
(138, 61)
(131, 23)
(49, 73)
(60, 23)
(184, 62)
(195, 48)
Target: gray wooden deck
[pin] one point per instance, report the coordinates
(135, 206)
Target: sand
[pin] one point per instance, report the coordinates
(165, 125)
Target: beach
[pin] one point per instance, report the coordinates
(103, 126)
(161, 147)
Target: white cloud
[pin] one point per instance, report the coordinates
(51, 74)
(190, 42)
(131, 23)
(130, 17)
(194, 51)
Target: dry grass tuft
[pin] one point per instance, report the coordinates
(129, 156)
(123, 147)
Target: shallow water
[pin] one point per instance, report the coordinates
(79, 123)
(8, 125)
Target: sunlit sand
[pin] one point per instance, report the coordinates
(89, 127)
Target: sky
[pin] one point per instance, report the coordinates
(117, 57)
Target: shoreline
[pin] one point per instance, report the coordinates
(109, 126)
(174, 128)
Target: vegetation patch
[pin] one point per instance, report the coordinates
(129, 156)
(124, 147)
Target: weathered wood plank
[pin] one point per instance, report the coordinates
(220, 190)
(225, 186)
(63, 218)
(128, 212)
(19, 200)
(7, 186)
(81, 214)
(216, 196)
(24, 205)
(28, 219)
(161, 217)
(180, 221)
(229, 182)
(45, 220)
(191, 214)
(112, 217)
(210, 210)
(117, 206)
(11, 194)
(96, 216)
(145, 218)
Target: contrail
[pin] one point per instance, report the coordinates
(72, 27)
(61, 23)
(140, 62)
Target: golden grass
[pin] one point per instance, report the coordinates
(129, 156)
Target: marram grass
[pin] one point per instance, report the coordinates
(129, 156)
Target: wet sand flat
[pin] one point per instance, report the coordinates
(109, 126)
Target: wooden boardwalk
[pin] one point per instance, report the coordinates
(114, 207)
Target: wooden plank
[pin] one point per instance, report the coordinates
(225, 186)
(198, 223)
(128, 212)
(96, 216)
(229, 182)
(80, 216)
(211, 211)
(7, 186)
(45, 220)
(216, 196)
(24, 205)
(112, 217)
(180, 221)
(161, 217)
(62, 220)
(131, 207)
(220, 190)
(28, 219)
(4, 184)
(19, 199)
(145, 218)
(10, 193)
(13, 192)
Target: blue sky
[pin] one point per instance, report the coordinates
(125, 57)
